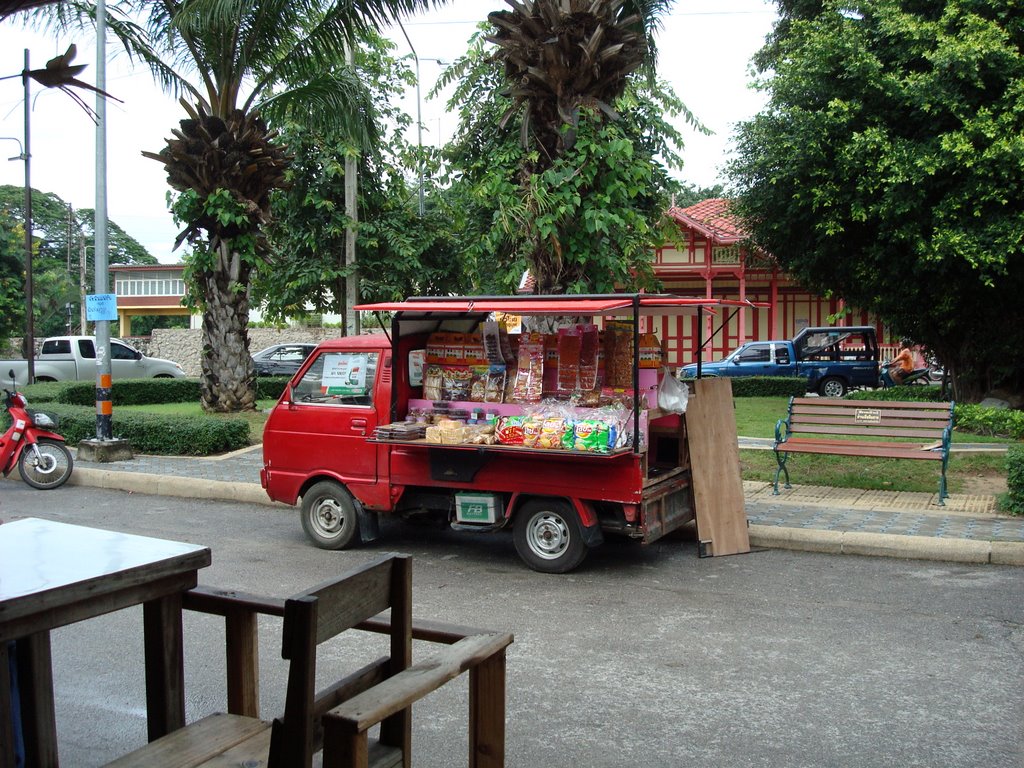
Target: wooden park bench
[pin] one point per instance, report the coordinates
(919, 431)
(390, 683)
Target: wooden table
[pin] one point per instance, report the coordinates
(53, 574)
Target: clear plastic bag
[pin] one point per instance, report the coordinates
(672, 394)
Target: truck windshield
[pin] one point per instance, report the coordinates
(338, 378)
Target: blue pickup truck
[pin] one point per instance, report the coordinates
(833, 359)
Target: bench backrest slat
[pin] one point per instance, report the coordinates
(824, 402)
(872, 430)
(839, 420)
(887, 419)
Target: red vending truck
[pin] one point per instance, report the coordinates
(556, 437)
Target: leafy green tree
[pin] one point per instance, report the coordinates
(578, 205)
(277, 61)
(686, 194)
(400, 252)
(60, 234)
(887, 169)
(12, 276)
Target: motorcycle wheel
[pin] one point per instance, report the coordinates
(45, 465)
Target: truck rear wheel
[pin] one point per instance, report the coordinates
(832, 387)
(547, 536)
(329, 515)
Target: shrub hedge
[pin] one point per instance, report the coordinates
(155, 433)
(920, 393)
(968, 417)
(765, 386)
(148, 391)
(74, 404)
(1015, 480)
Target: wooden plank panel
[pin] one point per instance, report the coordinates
(196, 744)
(905, 404)
(715, 466)
(856, 449)
(353, 597)
(880, 444)
(881, 419)
(823, 429)
(487, 713)
(399, 692)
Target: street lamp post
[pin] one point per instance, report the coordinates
(419, 118)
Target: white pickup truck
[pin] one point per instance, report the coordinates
(73, 358)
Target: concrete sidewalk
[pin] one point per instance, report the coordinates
(837, 520)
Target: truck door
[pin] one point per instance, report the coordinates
(125, 362)
(784, 363)
(752, 360)
(331, 415)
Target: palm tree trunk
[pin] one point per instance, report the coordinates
(228, 377)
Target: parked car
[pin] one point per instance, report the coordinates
(73, 358)
(832, 359)
(281, 359)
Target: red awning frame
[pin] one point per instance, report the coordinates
(571, 306)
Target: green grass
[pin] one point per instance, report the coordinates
(756, 417)
(874, 474)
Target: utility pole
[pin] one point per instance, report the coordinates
(30, 336)
(352, 279)
(81, 284)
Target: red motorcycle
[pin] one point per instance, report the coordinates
(44, 462)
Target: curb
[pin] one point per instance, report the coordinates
(172, 485)
(889, 545)
(774, 537)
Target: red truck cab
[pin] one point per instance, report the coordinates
(327, 443)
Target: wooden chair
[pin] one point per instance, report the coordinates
(390, 683)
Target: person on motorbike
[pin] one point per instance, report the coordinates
(903, 364)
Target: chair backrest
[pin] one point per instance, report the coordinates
(323, 612)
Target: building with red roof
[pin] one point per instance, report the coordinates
(712, 258)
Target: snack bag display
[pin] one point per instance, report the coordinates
(494, 385)
(509, 430)
(532, 427)
(457, 383)
(552, 433)
(433, 381)
(590, 350)
(529, 383)
(591, 435)
(570, 346)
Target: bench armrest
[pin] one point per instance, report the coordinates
(396, 693)
(782, 430)
(221, 602)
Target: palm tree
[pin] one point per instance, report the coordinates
(254, 60)
(567, 60)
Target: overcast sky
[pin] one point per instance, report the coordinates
(704, 52)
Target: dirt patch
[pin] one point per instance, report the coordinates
(984, 485)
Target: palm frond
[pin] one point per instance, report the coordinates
(335, 101)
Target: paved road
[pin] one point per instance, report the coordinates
(645, 657)
(889, 523)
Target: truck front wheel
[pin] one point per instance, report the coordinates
(329, 515)
(832, 387)
(547, 536)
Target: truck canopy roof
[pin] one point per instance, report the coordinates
(602, 304)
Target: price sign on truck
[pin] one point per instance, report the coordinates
(344, 375)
